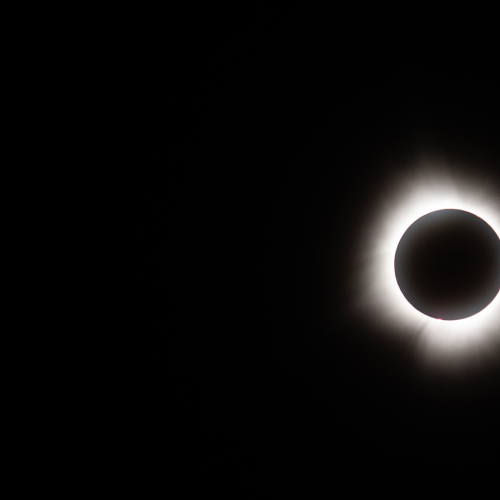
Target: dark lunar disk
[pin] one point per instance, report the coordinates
(448, 264)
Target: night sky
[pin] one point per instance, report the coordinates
(247, 159)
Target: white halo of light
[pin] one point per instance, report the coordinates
(377, 298)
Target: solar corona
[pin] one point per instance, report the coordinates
(426, 267)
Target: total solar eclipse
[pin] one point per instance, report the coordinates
(447, 264)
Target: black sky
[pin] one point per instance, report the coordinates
(247, 156)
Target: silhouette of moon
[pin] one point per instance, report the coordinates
(447, 264)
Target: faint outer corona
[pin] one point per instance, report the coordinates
(447, 264)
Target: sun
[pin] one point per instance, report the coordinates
(376, 297)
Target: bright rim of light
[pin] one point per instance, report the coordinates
(378, 298)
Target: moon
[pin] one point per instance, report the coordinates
(447, 264)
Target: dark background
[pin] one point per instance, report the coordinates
(245, 149)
